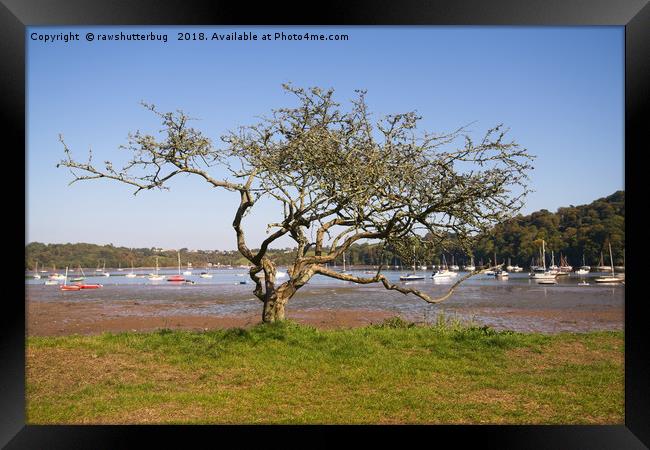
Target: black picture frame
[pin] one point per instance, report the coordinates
(634, 15)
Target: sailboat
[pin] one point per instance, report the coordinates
(601, 266)
(412, 276)
(443, 272)
(344, 271)
(119, 267)
(540, 273)
(205, 274)
(584, 269)
(78, 286)
(78, 278)
(499, 272)
(514, 268)
(178, 277)
(36, 275)
(106, 274)
(453, 266)
(553, 268)
(56, 276)
(156, 276)
(132, 273)
(189, 268)
(565, 268)
(611, 279)
(471, 267)
(68, 287)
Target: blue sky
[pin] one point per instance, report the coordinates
(560, 90)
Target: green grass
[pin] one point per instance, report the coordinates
(289, 373)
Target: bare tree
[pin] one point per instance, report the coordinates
(339, 178)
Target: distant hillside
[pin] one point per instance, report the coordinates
(571, 230)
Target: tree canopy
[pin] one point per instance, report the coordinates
(339, 178)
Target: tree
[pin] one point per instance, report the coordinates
(338, 179)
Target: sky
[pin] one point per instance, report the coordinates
(560, 90)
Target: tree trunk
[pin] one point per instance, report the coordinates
(274, 308)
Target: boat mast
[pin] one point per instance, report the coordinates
(611, 260)
(179, 262)
(543, 256)
(414, 269)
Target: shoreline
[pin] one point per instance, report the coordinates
(63, 319)
(92, 318)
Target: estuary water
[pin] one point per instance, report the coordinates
(519, 303)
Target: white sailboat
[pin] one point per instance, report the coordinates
(601, 266)
(542, 275)
(515, 268)
(453, 266)
(553, 268)
(207, 273)
(344, 270)
(443, 273)
(189, 269)
(36, 276)
(106, 274)
(610, 279)
(156, 276)
(56, 276)
(132, 273)
(471, 267)
(501, 274)
(412, 276)
(584, 269)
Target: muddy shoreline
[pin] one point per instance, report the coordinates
(94, 317)
(66, 318)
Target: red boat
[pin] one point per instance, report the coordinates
(176, 278)
(89, 286)
(68, 287)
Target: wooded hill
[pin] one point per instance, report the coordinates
(571, 231)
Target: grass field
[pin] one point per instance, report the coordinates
(288, 373)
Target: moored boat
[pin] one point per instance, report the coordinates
(540, 274)
(443, 271)
(156, 276)
(88, 286)
(178, 277)
(613, 278)
(411, 277)
(68, 287)
(501, 274)
(79, 277)
(131, 274)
